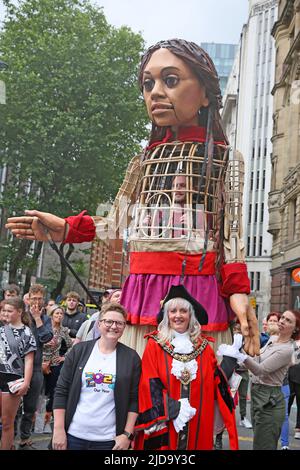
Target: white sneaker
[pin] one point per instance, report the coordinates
(297, 435)
(246, 423)
(285, 448)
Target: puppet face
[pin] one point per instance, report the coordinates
(173, 94)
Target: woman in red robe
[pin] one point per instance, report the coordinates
(182, 392)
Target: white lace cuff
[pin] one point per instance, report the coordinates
(186, 413)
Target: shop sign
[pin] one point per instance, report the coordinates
(296, 275)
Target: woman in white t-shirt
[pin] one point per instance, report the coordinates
(96, 397)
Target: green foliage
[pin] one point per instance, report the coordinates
(74, 115)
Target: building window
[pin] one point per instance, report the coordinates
(262, 212)
(248, 246)
(260, 246)
(257, 180)
(256, 212)
(273, 177)
(292, 219)
(254, 246)
(266, 23)
(264, 180)
(258, 281)
(266, 146)
(250, 210)
(252, 281)
(261, 94)
(251, 181)
(267, 116)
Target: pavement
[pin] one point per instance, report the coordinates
(246, 435)
(41, 441)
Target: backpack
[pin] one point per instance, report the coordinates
(89, 324)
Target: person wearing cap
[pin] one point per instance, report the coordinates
(182, 390)
(182, 94)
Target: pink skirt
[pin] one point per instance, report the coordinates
(142, 294)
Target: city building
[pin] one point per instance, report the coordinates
(108, 266)
(247, 117)
(223, 56)
(284, 198)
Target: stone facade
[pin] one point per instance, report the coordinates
(247, 117)
(284, 197)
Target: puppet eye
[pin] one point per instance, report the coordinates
(171, 81)
(148, 84)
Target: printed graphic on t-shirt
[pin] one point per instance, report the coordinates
(100, 381)
(26, 344)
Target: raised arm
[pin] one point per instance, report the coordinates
(234, 271)
(34, 224)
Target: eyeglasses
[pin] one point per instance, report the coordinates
(109, 323)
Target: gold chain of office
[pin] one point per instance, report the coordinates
(182, 357)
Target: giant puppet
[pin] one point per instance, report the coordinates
(182, 200)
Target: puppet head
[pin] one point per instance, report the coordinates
(203, 68)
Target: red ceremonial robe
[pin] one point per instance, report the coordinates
(159, 390)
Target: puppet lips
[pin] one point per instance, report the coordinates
(161, 107)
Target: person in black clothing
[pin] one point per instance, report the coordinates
(73, 318)
(42, 331)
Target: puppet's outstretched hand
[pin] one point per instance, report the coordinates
(32, 226)
(248, 321)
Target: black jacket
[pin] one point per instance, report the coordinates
(128, 371)
(73, 322)
(42, 335)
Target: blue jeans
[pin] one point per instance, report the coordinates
(74, 443)
(284, 437)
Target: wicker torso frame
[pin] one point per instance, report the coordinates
(179, 201)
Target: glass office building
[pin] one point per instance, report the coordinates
(223, 57)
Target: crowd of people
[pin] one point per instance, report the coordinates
(102, 395)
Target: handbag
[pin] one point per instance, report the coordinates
(15, 385)
(46, 368)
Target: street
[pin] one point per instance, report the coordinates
(41, 441)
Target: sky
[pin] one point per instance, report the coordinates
(194, 20)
